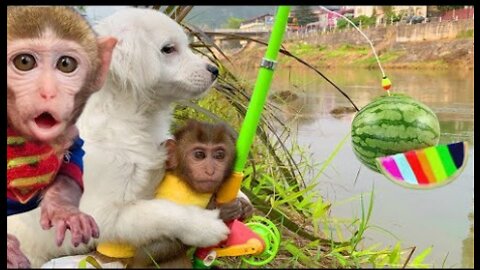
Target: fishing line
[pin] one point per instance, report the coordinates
(363, 34)
(386, 84)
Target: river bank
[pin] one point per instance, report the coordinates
(438, 54)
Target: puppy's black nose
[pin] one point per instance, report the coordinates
(213, 69)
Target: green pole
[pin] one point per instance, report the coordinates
(260, 91)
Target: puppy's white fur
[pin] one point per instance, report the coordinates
(122, 126)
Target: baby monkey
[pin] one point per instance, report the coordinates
(200, 159)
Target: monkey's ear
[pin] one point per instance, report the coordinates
(105, 49)
(171, 162)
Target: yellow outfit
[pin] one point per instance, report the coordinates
(171, 188)
(178, 191)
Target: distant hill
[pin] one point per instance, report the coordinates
(216, 16)
(201, 16)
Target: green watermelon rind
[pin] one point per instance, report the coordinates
(445, 182)
(430, 128)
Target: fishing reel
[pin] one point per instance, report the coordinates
(271, 237)
(257, 241)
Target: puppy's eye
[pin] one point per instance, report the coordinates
(168, 49)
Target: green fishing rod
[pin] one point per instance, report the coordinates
(229, 189)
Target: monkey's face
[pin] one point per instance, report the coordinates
(206, 166)
(43, 76)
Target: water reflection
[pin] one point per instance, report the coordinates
(467, 248)
(449, 94)
(421, 218)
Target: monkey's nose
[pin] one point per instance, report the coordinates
(214, 70)
(209, 171)
(48, 93)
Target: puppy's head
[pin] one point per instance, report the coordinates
(152, 58)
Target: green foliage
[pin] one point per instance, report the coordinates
(306, 48)
(342, 24)
(391, 17)
(233, 23)
(346, 50)
(465, 34)
(386, 57)
(418, 261)
(362, 20)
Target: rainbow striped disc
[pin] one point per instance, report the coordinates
(425, 168)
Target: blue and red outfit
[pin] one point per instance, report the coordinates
(32, 166)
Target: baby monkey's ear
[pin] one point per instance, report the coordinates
(172, 161)
(105, 47)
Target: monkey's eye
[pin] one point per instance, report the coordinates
(24, 62)
(67, 64)
(220, 154)
(168, 49)
(199, 154)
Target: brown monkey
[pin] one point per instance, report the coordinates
(54, 63)
(200, 159)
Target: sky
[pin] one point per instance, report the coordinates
(95, 13)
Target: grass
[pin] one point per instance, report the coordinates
(301, 48)
(346, 51)
(384, 58)
(465, 34)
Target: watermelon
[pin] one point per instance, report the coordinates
(390, 125)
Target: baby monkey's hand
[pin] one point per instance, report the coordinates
(240, 208)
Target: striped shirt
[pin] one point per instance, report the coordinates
(32, 166)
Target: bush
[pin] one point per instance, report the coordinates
(363, 20)
(342, 23)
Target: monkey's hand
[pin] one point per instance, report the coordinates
(59, 208)
(240, 208)
(204, 229)
(15, 257)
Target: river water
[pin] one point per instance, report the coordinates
(441, 217)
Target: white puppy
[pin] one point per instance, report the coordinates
(122, 126)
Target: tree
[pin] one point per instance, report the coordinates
(390, 16)
(342, 23)
(81, 9)
(305, 15)
(233, 23)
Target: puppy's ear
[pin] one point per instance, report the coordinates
(133, 58)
